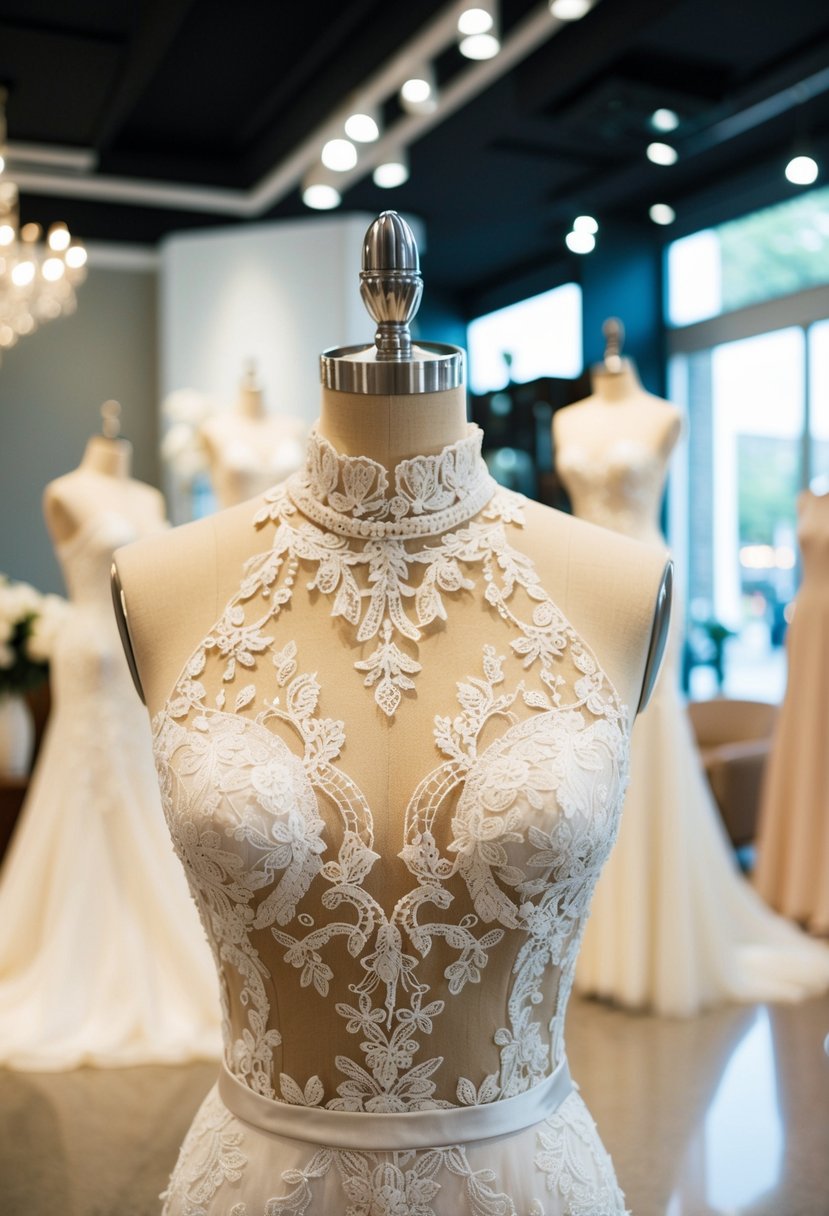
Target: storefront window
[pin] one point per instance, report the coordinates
(771, 253)
(540, 336)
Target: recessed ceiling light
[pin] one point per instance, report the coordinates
(479, 46)
(802, 170)
(339, 155)
(662, 154)
(585, 223)
(662, 213)
(362, 127)
(664, 120)
(392, 172)
(416, 89)
(419, 93)
(570, 10)
(580, 242)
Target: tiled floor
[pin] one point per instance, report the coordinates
(727, 1114)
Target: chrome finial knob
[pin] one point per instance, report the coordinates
(391, 284)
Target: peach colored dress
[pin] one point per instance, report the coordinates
(793, 839)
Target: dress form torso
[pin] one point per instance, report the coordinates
(249, 450)
(391, 768)
(612, 451)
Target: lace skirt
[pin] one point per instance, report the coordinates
(538, 1154)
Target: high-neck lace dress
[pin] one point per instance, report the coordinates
(102, 957)
(395, 967)
(674, 927)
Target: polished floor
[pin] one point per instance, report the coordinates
(726, 1114)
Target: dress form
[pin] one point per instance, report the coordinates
(673, 927)
(248, 449)
(102, 959)
(101, 482)
(286, 590)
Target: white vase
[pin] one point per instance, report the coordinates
(17, 736)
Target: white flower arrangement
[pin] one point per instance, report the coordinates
(29, 624)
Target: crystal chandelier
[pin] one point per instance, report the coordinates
(37, 277)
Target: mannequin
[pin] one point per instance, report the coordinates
(247, 449)
(101, 482)
(673, 926)
(392, 461)
(90, 970)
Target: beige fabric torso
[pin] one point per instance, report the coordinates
(392, 839)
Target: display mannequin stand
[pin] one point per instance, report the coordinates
(102, 958)
(674, 927)
(248, 449)
(393, 769)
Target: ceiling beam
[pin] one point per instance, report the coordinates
(147, 51)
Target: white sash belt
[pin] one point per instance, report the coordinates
(396, 1130)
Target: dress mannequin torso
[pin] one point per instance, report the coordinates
(95, 918)
(619, 428)
(399, 820)
(248, 449)
(673, 927)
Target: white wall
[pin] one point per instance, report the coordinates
(51, 388)
(279, 293)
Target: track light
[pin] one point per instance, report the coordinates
(586, 223)
(392, 172)
(580, 241)
(802, 170)
(418, 93)
(571, 10)
(479, 30)
(662, 154)
(662, 213)
(664, 120)
(319, 192)
(339, 155)
(363, 126)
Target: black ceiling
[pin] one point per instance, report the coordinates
(212, 93)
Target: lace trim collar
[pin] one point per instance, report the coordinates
(348, 494)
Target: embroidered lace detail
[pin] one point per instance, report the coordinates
(502, 841)
(349, 494)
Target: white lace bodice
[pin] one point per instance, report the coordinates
(620, 488)
(413, 950)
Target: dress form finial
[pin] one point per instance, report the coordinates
(111, 419)
(614, 336)
(391, 287)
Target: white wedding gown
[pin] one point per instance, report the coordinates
(674, 926)
(394, 976)
(102, 957)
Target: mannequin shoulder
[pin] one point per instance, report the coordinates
(614, 591)
(61, 508)
(170, 589)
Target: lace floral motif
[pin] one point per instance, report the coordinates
(503, 842)
(349, 494)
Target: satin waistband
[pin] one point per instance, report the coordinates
(396, 1130)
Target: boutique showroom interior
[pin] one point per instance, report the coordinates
(414, 608)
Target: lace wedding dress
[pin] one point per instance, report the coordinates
(394, 972)
(102, 958)
(674, 927)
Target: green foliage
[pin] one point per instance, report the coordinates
(776, 251)
(24, 673)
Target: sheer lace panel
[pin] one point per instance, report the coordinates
(429, 954)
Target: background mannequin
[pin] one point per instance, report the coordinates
(102, 959)
(793, 839)
(175, 587)
(248, 449)
(673, 926)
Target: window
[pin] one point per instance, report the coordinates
(771, 253)
(540, 337)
